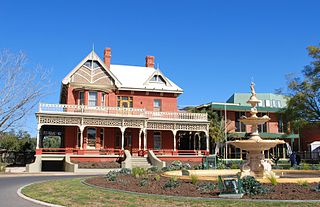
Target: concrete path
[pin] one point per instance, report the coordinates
(11, 183)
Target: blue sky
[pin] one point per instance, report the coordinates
(209, 48)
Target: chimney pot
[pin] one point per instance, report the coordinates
(150, 61)
(107, 57)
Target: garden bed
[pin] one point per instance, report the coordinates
(151, 184)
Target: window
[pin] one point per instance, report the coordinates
(92, 64)
(92, 99)
(156, 140)
(157, 105)
(103, 99)
(158, 78)
(125, 101)
(274, 103)
(240, 127)
(102, 136)
(268, 104)
(279, 103)
(280, 123)
(81, 98)
(91, 135)
(262, 127)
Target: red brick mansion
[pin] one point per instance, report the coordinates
(105, 109)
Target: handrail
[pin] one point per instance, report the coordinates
(121, 111)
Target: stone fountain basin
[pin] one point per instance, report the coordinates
(255, 145)
(254, 120)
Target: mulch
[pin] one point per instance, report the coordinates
(281, 191)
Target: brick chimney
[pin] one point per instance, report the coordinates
(150, 61)
(107, 57)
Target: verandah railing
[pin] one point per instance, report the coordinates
(120, 111)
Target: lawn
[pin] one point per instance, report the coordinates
(71, 192)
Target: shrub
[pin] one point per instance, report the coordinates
(138, 171)
(143, 182)
(251, 186)
(186, 166)
(171, 183)
(221, 165)
(317, 188)
(153, 169)
(197, 167)
(272, 178)
(303, 183)
(2, 167)
(165, 169)
(157, 178)
(194, 179)
(234, 165)
(206, 187)
(305, 166)
(125, 171)
(177, 163)
(315, 167)
(111, 176)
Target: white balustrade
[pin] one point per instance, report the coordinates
(119, 111)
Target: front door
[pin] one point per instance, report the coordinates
(91, 136)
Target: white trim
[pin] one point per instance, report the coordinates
(92, 55)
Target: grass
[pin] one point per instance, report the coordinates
(303, 183)
(70, 192)
(272, 178)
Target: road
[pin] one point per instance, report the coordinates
(10, 185)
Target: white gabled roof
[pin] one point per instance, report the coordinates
(138, 78)
(91, 56)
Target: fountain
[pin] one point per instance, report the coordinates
(256, 164)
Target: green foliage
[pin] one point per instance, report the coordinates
(194, 179)
(303, 183)
(153, 169)
(125, 171)
(2, 167)
(272, 178)
(221, 166)
(138, 172)
(305, 166)
(52, 142)
(303, 105)
(111, 175)
(176, 165)
(251, 186)
(171, 183)
(206, 187)
(19, 141)
(143, 182)
(157, 178)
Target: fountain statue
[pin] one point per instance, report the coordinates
(256, 164)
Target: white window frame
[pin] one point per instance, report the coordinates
(79, 98)
(96, 98)
(157, 108)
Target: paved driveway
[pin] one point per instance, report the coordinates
(10, 185)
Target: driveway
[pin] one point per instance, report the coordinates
(9, 186)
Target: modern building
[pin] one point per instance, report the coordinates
(105, 109)
(271, 105)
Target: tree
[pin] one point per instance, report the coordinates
(21, 87)
(20, 141)
(303, 93)
(218, 128)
